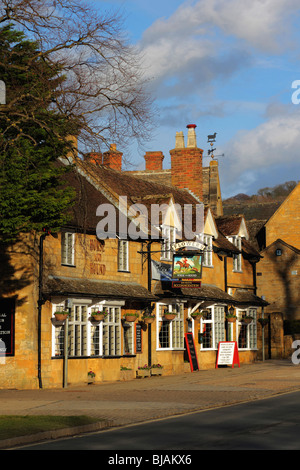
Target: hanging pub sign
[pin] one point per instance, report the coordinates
(187, 266)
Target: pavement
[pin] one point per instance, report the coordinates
(151, 398)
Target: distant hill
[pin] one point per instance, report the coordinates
(260, 206)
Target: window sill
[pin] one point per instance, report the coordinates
(123, 271)
(69, 265)
(208, 266)
(236, 271)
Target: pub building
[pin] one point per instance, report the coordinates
(123, 308)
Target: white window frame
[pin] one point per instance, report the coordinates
(128, 335)
(251, 328)
(174, 329)
(237, 258)
(217, 321)
(169, 235)
(123, 255)
(68, 248)
(82, 332)
(208, 251)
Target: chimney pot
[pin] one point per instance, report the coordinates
(179, 142)
(191, 140)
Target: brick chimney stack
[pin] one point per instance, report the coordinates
(154, 161)
(186, 163)
(113, 158)
(94, 157)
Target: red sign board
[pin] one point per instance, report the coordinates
(190, 346)
(186, 284)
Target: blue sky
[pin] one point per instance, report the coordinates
(228, 67)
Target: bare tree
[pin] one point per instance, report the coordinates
(104, 88)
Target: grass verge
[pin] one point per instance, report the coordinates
(14, 426)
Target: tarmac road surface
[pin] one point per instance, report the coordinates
(268, 424)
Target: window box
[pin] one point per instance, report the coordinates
(142, 373)
(156, 369)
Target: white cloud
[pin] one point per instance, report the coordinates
(198, 33)
(272, 148)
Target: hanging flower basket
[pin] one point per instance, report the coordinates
(169, 316)
(231, 318)
(130, 317)
(197, 315)
(148, 319)
(61, 316)
(263, 321)
(247, 320)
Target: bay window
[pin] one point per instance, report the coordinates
(86, 338)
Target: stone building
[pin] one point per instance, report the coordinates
(113, 259)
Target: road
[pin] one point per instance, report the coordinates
(268, 424)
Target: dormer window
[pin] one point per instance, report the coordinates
(237, 258)
(68, 248)
(208, 251)
(169, 235)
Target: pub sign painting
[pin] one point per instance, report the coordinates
(187, 266)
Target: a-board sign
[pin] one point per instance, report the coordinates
(138, 338)
(227, 354)
(190, 345)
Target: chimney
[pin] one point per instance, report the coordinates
(94, 157)
(154, 160)
(186, 163)
(113, 158)
(215, 198)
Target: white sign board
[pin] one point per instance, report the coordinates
(227, 354)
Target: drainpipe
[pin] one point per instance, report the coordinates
(40, 303)
(225, 273)
(149, 289)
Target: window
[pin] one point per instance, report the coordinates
(78, 331)
(128, 331)
(247, 332)
(112, 332)
(170, 334)
(123, 263)
(237, 258)
(87, 338)
(213, 327)
(169, 235)
(68, 248)
(208, 251)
